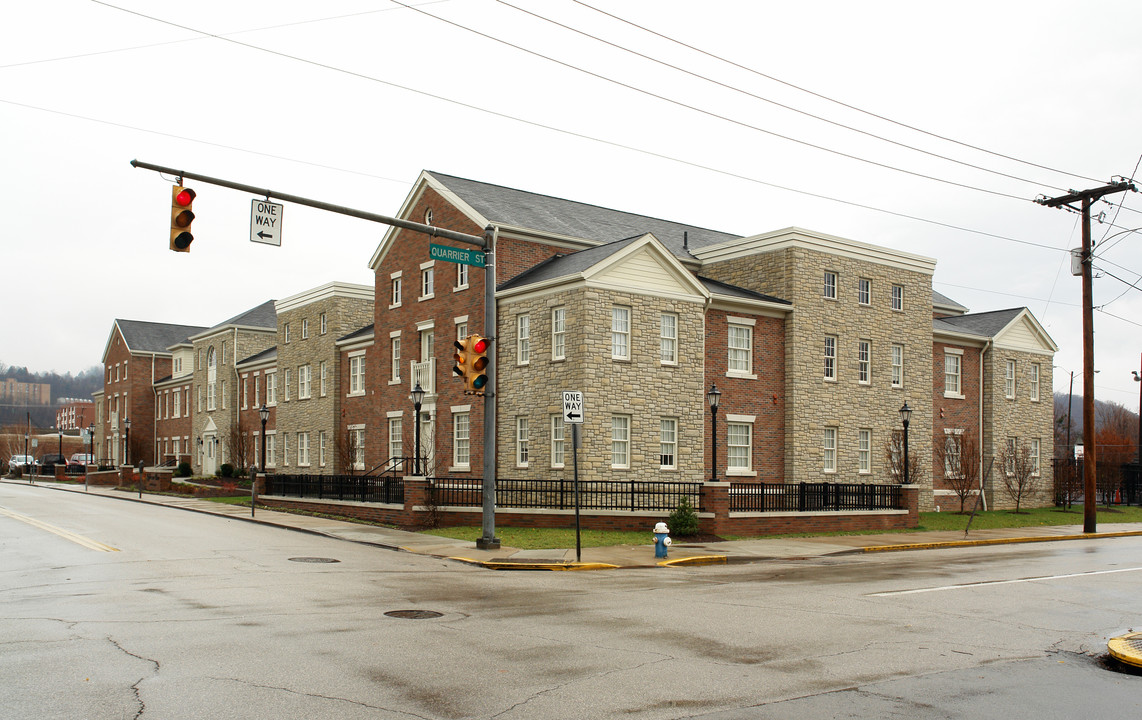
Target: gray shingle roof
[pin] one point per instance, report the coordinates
(359, 333)
(518, 208)
(262, 316)
(945, 301)
(720, 288)
(567, 265)
(267, 354)
(986, 324)
(142, 336)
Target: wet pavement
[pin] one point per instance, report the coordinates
(616, 556)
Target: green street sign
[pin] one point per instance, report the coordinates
(462, 256)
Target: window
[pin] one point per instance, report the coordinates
(953, 455)
(668, 443)
(461, 276)
(740, 349)
(257, 391)
(898, 297)
(523, 339)
(394, 300)
(285, 387)
(324, 379)
(1009, 380)
(357, 374)
(620, 333)
(1035, 457)
(177, 401)
(394, 353)
(558, 444)
(304, 382)
(620, 441)
(396, 441)
(462, 328)
(357, 446)
(211, 377)
(324, 329)
(830, 357)
(245, 389)
(521, 449)
(303, 449)
(271, 389)
(427, 282)
(668, 338)
(864, 291)
(305, 328)
(322, 445)
(1034, 382)
(271, 449)
(285, 332)
(739, 447)
(952, 371)
(830, 447)
(223, 359)
(224, 395)
(285, 448)
(126, 361)
(864, 355)
(558, 333)
(864, 451)
(461, 450)
(830, 290)
(897, 366)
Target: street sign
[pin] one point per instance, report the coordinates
(266, 222)
(461, 256)
(573, 407)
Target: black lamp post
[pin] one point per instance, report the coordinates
(60, 431)
(90, 454)
(27, 465)
(905, 416)
(127, 443)
(264, 412)
(713, 396)
(417, 399)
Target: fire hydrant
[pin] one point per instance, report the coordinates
(661, 540)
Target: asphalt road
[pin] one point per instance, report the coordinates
(112, 609)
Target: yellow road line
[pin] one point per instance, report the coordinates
(65, 534)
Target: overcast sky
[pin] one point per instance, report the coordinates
(346, 101)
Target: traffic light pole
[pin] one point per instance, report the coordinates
(1090, 449)
(486, 242)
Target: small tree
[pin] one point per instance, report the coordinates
(1020, 471)
(960, 457)
(684, 521)
(894, 460)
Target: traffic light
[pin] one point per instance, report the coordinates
(477, 363)
(462, 359)
(182, 198)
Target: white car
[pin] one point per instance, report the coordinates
(19, 461)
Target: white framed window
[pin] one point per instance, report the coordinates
(739, 361)
(245, 392)
(558, 333)
(829, 445)
(897, 366)
(304, 382)
(324, 378)
(864, 362)
(953, 375)
(620, 333)
(620, 441)
(461, 327)
(271, 449)
(257, 391)
(211, 377)
(303, 449)
(668, 443)
(668, 338)
(521, 444)
(395, 291)
(394, 356)
(864, 451)
(176, 400)
(864, 291)
(1009, 381)
(558, 440)
(739, 448)
(285, 386)
(523, 339)
(461, 448)
(898, 297)
(224, 394)
(322, 446)
(271, 389)
(305, 328)
(285, 448)
(357, 446)
(1034, 382)
(324, 328)
(953, 453)
(1035, 457)
(461, 276)
(396, 438)
(830, 286)
(830, 357)
(427, 281)
(285, 333)
(223, 360)
(357, 373)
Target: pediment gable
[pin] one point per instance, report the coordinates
(645, 267)
(1024, 333)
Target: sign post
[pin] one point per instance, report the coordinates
(573, 416)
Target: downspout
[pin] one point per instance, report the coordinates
(983, 353)
(155, 405)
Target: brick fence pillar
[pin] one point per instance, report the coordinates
(715, 499)
(416, 489)
(912, 503)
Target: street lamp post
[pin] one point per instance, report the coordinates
(905, 416)
(264, 413)
(127, 442)
(417, 399)
(27, 465)
(90, 454)
(713, 396)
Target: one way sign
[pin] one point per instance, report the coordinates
(573, 407)
(265, 222)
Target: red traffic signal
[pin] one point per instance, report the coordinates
(477, 378)
(182, 198)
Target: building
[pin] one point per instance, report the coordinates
(74, 414)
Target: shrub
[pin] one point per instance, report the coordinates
(227, 470)
(184, 469)
(684, 521)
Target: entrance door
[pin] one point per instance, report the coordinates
(209, 454)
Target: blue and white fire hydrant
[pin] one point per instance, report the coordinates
(661, 540)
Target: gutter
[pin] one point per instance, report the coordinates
(982, 355)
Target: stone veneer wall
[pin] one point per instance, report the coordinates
(642, 388)
(1021, 418)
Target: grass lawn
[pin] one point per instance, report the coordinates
(1034, 517)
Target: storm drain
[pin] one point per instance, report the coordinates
(313, 560)
(414, 614)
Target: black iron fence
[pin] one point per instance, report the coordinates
(807, 497)
(630, 495)
(360, 488)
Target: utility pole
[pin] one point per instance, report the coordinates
(1090, 451)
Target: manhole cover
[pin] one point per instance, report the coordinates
(1127, 649)
(313, 560)
(414, 614)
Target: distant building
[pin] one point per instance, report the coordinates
(75, 414)
(13, 391)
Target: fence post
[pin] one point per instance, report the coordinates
(714, 498)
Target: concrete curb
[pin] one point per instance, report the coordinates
(993, 541)
(552, 566)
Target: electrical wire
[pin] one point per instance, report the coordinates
(832, 100)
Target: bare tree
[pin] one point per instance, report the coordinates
(894, 460)
(1020, 471)
(960, 456)
(240, 445)
(348, 452)
(1068, 482)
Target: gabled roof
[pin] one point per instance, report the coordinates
(717, 287)
(356, 334)
(264, 356)
(261, 317)
(150, 337)
(1014, 328)
(943, 303)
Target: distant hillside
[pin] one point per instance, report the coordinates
(1105, 412)
(62, 386)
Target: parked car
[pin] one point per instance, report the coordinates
(47, 463)
(19, 462)
(79, 461)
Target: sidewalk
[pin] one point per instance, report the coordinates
(617, 556)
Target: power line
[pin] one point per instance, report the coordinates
(832, 100)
